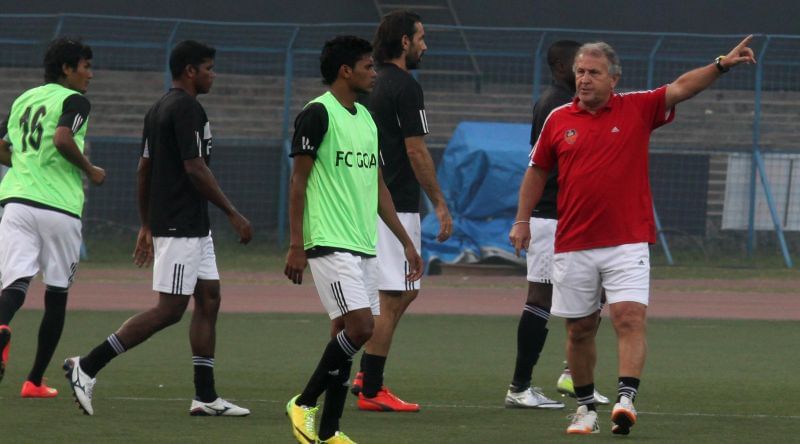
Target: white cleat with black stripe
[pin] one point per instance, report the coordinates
(218, 407)
(81, 384)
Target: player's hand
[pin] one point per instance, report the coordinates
(415, 265)
(143, 253)
(445, 222)
(97, 175)
(520, 236)
(295, 264)
(242, 227)
(740, 54)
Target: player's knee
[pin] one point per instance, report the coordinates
(629, 323)
(540, 295)
(361, 332)
(579, 330)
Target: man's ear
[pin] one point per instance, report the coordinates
(190, 71)
(345, 71)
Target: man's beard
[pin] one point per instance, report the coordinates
(413, 62)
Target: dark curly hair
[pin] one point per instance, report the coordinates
(188, 52)
(341, 50)
(64, 50)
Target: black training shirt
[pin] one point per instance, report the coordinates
(176, 129)
(555, 95)
(398, 108)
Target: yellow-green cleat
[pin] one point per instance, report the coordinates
(304, 421)
(565, 386)
(338, 438)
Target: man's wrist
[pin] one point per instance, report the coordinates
(719, 63)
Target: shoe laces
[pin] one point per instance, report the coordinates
(309, 417)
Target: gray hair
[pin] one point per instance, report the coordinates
(601, 49)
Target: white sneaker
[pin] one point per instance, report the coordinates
(584, 422)
(600, 399)
(623, 416)
(80, 383)
(219, 407)
(531, 398)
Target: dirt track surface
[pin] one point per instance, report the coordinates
(489, 295)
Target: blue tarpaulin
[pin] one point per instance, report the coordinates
(480, 174)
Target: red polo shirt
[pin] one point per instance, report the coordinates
(604, 194)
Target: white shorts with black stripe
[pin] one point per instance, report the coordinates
(541, 248)
(181, 261)
(392, 264)
(34, 239)
(346, 282)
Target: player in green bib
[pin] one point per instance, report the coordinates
(337, 193)
(42, 196)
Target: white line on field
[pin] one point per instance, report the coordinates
(489, 407)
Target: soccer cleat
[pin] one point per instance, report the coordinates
(531, 398)
(80, 383)
(217, 407)
(5, 346)
(304, 421)
(623, 416)
(565, 386)
(31, 390)
(358, 383)
(584, 422)
(338, 438)
(385, 401)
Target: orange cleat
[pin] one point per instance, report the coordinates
(5, 346)
(385, 401)
(31, 390)
(358, 383)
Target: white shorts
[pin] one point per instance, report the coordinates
(579, 276)
(346, 282)
(34, 239)
(392, 264)
(181, 261)
(541, 249)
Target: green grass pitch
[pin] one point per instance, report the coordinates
(705, 381)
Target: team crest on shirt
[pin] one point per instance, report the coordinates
(570, 136)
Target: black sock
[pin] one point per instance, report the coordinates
(372, 366)
(55, 306)
(627, 386)
(335, 398)
(531, 335)
(585, 396)
(338, 350)
(12, 298)
(102, 355)
(204, 378)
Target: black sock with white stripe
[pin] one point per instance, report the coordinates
(585, 396)
(531, 335)
(336, 353)
(102, 355)
(627, 386)
(12, 298)
(204, 390)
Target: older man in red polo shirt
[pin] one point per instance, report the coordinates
(600, 144)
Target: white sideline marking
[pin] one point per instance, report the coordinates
(465, 406)
(489, 407)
